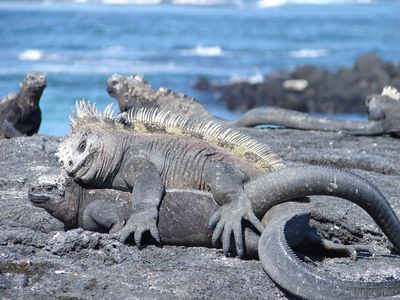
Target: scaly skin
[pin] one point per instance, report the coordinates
(184, 214)
(146, 165)
(101, 153)
(284, 231)
(133, 92)
(20, 112)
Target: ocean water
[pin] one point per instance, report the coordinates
(79, 44)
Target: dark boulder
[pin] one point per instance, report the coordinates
(312, 89)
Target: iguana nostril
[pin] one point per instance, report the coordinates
(70, 163)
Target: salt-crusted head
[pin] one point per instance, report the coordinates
(57, 196)
(385, 105)
(87, 153)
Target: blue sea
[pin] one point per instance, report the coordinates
(79, 44)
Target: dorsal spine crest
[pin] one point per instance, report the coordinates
(155, 120)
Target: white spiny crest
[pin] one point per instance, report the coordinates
(391, 92)
(85, 109)
(173, 124)
(139, 77)
(211, 132)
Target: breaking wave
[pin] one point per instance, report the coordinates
(200, 50)
(31, 54)
(302, 53)
(276, 3)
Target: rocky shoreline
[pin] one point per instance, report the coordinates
(312, 89)
(40, 260)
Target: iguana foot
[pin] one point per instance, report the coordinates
(137, 224)
(350, 250)
(228, 219)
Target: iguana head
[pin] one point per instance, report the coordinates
(130, 92)
(80, 153)
(58, 195)
(384, 105)
(91, 152)
(33, 84)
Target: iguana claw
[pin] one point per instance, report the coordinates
(137, 224)
(228, 219)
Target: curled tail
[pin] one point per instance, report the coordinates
(298, 120)
(285, 229)
(283, 185)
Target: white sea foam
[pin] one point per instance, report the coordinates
(276, 3)
(115, 49)
(201, 2)
(31, 54)
(131, 2)
(200, 50)
(257, 77)
(271, 3)
(301, 53)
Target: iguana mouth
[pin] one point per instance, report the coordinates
(82, 168)
(38, 198)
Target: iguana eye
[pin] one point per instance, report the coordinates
(82, 146)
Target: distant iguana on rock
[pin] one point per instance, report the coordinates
(148, 151)
(134, 92)
(20, 112)
(183, 218)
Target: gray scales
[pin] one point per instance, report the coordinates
(20, 112)
(94, 132)
(134, 92)
(183, 218)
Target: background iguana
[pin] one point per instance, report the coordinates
(148, 151)
(134, 92)
(183, 220)
(20, 112)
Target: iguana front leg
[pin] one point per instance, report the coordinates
(142, 177)
(9, 130)
(102, 216)
(226, 184)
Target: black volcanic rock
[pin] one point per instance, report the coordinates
(38, 260)
(312, 89)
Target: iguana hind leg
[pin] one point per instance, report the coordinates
(102, 216)
(226, 184)
(315, 242)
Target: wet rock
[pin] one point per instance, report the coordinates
(39, 260)
(342, 91)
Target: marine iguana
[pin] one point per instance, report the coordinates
(20, 112)
(133, 92)
(183, 220)
(148, 151)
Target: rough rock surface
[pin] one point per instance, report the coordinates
(38, 260)
(312, 89)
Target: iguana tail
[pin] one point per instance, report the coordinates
(285, 230)
(298, 120)
(284, 185)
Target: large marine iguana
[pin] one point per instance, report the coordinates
(20, 112)
(148, 151)
(134, 92)
(183, 218)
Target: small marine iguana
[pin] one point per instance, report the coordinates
(134, 92)
(183, 218)
(148, 151)
(20, 112)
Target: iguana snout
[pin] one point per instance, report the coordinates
(78, 155)
(58, 195)
(47, 190)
